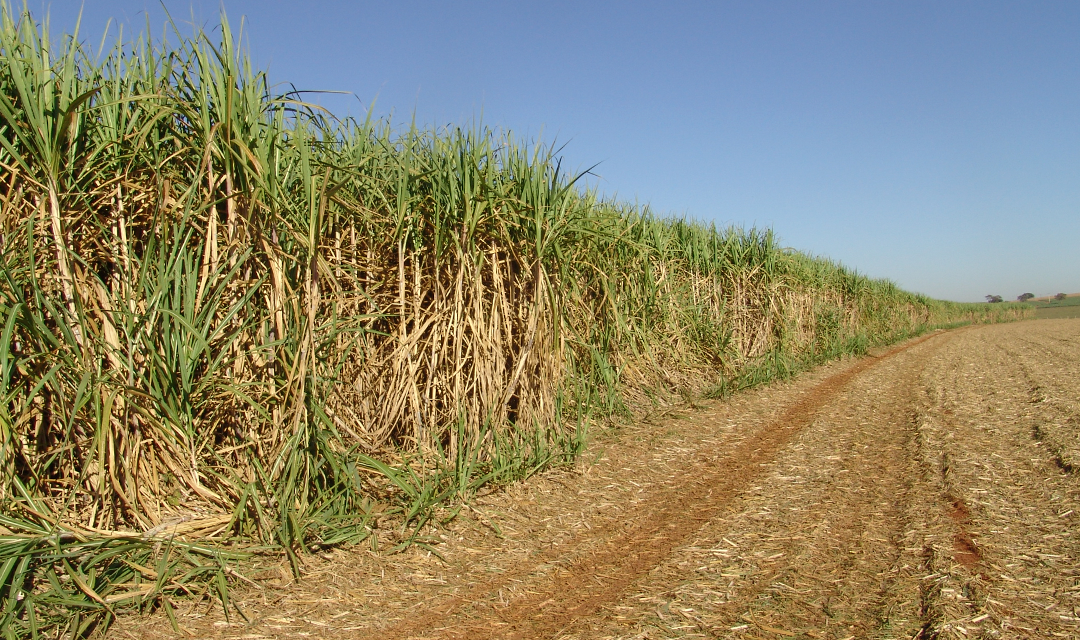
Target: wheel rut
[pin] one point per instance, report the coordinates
(814, 550)
(577, 589)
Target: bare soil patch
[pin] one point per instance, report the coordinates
(927, 491)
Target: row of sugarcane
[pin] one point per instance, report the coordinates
(231, 318)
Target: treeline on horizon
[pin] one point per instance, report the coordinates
(232, 319)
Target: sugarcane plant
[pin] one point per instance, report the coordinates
(235, 324)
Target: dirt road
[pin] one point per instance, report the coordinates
(931, 490)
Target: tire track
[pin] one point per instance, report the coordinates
(581, 586)
(826, 559)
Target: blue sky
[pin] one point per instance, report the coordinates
(936, 144)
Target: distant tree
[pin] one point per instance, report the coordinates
(1060, 296)
(993, 298)
(1024, 297)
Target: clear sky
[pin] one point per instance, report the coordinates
(936, 144)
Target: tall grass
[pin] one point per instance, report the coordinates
(229, 317)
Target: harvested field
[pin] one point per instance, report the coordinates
(926, 491)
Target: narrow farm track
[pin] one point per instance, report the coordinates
(562, 600)
(928, 491)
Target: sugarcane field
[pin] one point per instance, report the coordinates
(272, 372)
